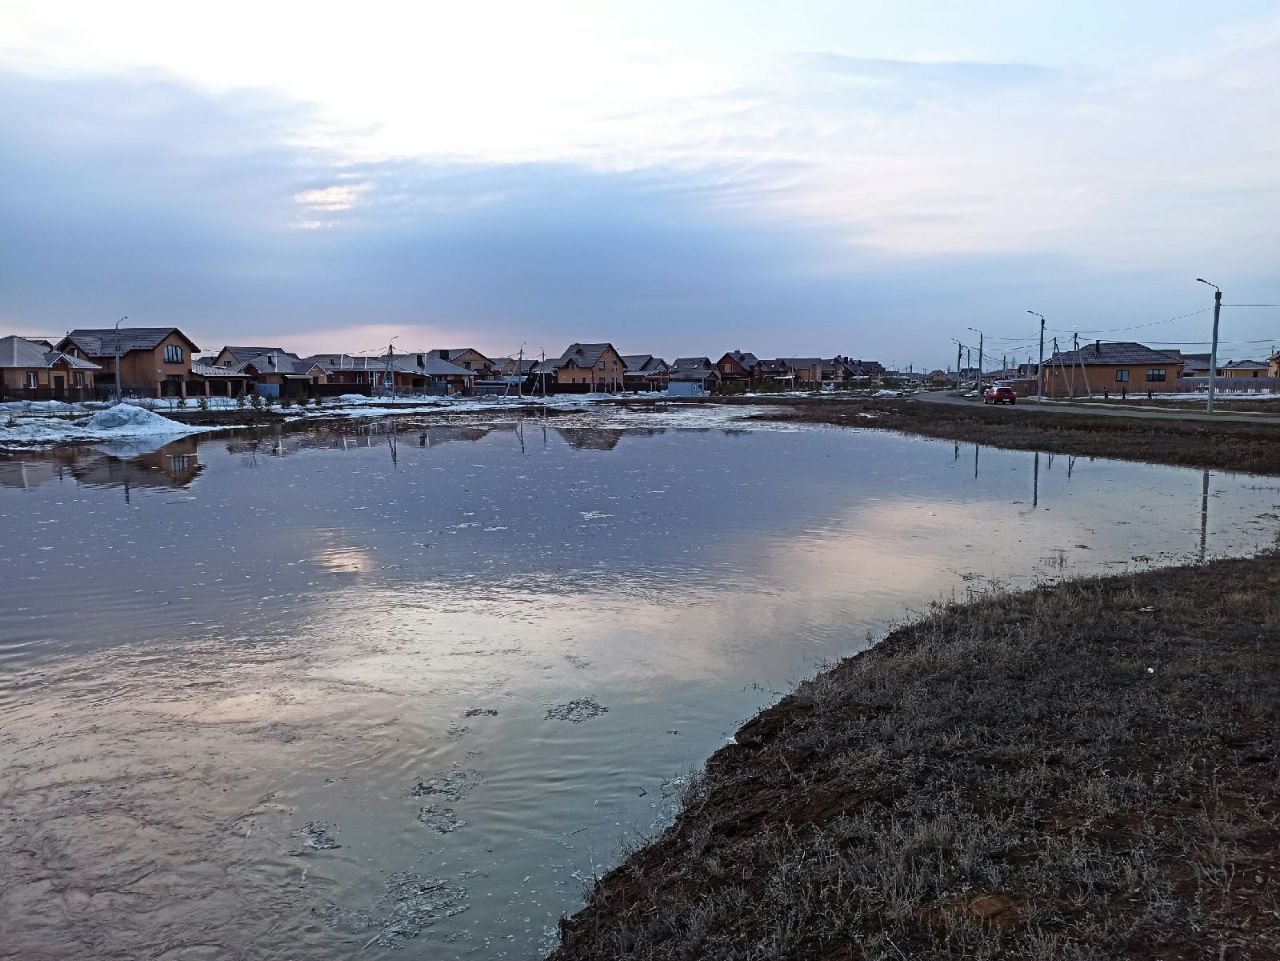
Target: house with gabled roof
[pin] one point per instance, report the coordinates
(468, 358)
(33, 370)
(1244, 368)
(235, 356)
(738, 367)
(1117, 367)
(590, 367)
(645, 372)
(154, 361)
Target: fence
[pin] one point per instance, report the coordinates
(1229, 385)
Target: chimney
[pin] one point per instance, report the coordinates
(1097, 347)
(419, 357)
(271, 360)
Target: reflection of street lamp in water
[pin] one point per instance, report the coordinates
(1204, 515)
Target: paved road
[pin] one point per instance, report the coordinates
(1110, 410)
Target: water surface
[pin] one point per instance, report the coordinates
(401, 690)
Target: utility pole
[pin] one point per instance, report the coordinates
(391, 353)
(1213, 351)
(520, 385)
(959, 354)
(118, 322)
(980, 356)
(1040, 361)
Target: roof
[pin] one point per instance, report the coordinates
(748, 361)
(20, 352)
(692, 363)
(583, 355)
(241, 354)
(277, 362)
(106, 341)
(644, 364)
(451, 353)
(798, 362)
(200, 369)
(431, 365)
(1120, 353)
(1245, 365)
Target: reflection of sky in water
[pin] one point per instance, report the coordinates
(290, 629)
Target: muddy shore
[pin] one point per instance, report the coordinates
(1084, 770)
(1241, 447)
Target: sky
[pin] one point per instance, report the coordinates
(864, 178)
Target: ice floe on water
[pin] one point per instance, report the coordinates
(576, 711)
(453, 785)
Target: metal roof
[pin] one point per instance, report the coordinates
(105, 342)
(583, 355)
(20, 352)
(1121, 353)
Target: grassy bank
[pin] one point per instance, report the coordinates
(1248, 448)
(1087, 770)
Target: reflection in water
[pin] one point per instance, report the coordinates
(332, 639)
(176, 464)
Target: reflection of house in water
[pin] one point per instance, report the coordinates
(591, 438)
(174, 465)
(434, 436)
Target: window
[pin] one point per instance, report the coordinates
(172, 354)
(79, 380)
(1155, 375)
(31, 380)
(1122, 376)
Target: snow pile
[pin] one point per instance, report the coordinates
(121, 422)
(129, 420)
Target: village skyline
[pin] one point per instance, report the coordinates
(671, 180)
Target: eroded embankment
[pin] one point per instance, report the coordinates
(1085, 770)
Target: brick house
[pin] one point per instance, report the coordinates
(595, 367)
(1117, 368)
(154, 361)
(32, 370)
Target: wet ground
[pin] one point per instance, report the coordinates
(400, 689)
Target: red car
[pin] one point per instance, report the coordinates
(1000, 394)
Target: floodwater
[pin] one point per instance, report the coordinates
(403, 689)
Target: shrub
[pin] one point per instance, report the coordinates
(255, 400)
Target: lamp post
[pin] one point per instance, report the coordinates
(980, 338)
(1040, 361)
(118, 322)
(1213, 351)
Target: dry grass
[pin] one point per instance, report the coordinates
(1248, 448)
(1055, 774)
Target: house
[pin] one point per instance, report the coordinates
(738, 367)
(1273, 366)
(32, 370)
(235, 356)
(154, 361)
(590, 367)
(805, 370)
(1195, 365)
(280, 374)
(468, 358)
(645, 372)
(1244, 368)
(1111, 368)
(422, 373)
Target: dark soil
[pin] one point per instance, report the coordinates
(1245, 448)
(1087, 770)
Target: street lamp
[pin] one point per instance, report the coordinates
(1213, 351)
(1040, 363)
(118, 323)
(980, 338)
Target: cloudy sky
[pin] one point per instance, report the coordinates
(860, 177)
